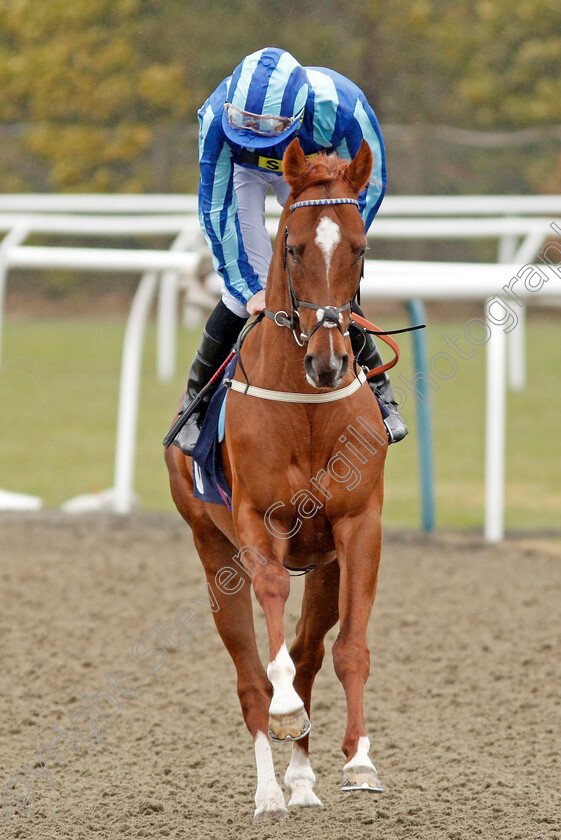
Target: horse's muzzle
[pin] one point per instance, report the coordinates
(326, 372)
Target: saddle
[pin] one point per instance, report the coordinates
(209, 481)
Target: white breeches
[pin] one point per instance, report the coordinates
(251, 186)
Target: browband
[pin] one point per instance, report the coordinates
(318, 202)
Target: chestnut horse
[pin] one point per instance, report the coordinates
(306, 481)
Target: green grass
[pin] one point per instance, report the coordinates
(533, 455)
(58, 396)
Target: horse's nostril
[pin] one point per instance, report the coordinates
(326, 372)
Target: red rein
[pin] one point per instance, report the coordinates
(387, 339)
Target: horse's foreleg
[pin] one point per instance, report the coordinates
(234, 621)
(269, 799)
(319, 613)
(288, 720)
(358, 542)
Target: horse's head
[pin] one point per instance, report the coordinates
(324, 247)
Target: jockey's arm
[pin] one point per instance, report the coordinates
(218, 212)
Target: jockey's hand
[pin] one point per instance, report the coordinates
(256, 304)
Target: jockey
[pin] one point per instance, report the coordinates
(244, 128)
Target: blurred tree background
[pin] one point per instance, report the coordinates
(101, 95)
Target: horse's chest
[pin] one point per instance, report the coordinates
(301, 469)
(300, 488)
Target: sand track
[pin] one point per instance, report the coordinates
(463, 699)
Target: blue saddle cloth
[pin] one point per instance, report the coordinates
(210, 483)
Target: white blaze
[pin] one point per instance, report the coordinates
(328, 237)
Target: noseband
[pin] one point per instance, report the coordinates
(327, 316)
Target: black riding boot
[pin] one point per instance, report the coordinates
(370, 358)
(219, 336)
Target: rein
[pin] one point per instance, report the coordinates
(366, 327)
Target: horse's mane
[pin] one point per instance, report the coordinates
(323, 169)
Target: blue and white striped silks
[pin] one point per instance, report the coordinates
(336, 116)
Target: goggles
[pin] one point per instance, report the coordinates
(268, 125)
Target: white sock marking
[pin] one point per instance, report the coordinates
(281, 673)
(328, 236)
(268, 796)
(299, 779)
(360, 758)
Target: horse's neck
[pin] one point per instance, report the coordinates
(273, 357)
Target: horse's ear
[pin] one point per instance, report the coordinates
(294, 163)
(359, 169)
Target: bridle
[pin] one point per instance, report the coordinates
(327, 316)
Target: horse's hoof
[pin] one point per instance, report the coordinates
(269, 802)
(290, 727)
(361, 778)
(271, 816)
(304, 797)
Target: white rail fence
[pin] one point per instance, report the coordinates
(513, 221)
(475, 281)
(517, 233)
